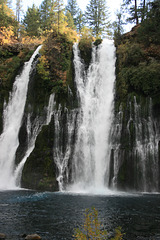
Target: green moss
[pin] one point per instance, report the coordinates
(85, 47)
(55, 67)
(98, 41)
(39, 170)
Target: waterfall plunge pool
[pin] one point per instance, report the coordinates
(55, 215)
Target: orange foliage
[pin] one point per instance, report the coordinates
(6, 35)
(32, 40)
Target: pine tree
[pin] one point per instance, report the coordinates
(118, 27)
(97, 16)
(70, 20)
(45, 8)
(137, 12)
(51, 11)
(59, 14)
(80, 20)
(72, 7)
(18, 9)
(7, 17)
(32, 21)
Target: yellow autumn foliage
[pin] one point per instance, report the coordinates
(7, 11)
(32, 40)
(92, 229)
(6, 35)
(42, 67)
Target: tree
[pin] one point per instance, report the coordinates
(18, 9)
(32, 21)
(97, 16)
(137, 12)
(149, 30)
(93, 228)
(51, 12)
(118, 27)
(70, 20)
(7, 17)
(59, 14)
(72, 7)
(45, 9)
(80, 21)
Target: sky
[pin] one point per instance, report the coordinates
(113, 5)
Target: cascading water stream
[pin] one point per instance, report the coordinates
(95, 89)
(12, 118)
(32, 132)
(134, 142)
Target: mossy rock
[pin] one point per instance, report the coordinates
(39, 170)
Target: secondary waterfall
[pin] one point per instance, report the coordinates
(95, 90)
(33, 129)
(135, 148)
(12, 118)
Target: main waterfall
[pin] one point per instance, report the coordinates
(95, 93)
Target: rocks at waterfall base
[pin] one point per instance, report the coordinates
(2, 236)
(27, 237)
(33, 237)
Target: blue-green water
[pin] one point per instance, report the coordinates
(55, 215)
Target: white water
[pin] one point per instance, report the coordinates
(95, 89)
(146, 148)
(32, 132)
(144, 137)
(63, 146)
(12, 118)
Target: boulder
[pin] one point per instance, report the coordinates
(33, 237)
(2, 236)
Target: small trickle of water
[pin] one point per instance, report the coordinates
(63, 143)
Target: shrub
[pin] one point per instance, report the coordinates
(92, 229)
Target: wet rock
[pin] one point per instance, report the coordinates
(24, 235)
(33, 237)
(2, 236)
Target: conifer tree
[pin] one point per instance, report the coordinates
(7, 17)
(72, 7)
(59, 13)
(80, 20)
(137, 12)
(32, 21)
(118, 27)
(18, 9)
(97, 16)
(70, 20)
(45, 8)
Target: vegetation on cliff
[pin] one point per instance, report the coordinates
(138, 59)
(55, 63)
(137, 68)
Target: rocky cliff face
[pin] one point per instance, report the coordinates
(53, 74)
(136, 134)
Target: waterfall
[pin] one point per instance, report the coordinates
(135, 148)
(65, 125)
(95, 90)
(146, 147)
(32, 132)
(12, 118)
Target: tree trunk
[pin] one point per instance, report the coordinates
(136, 16)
